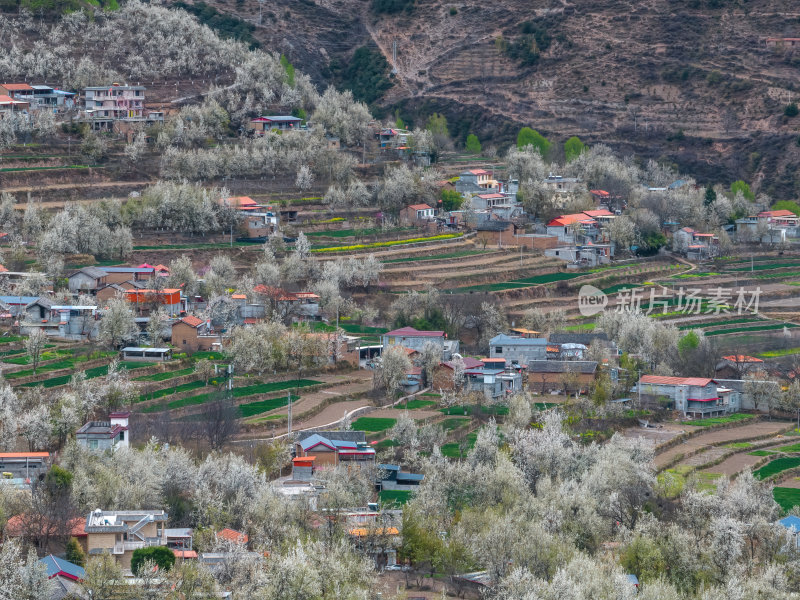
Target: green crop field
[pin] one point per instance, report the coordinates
(261, 406)
(417, 403)
(720, 420)
(721, 323)
(777, 466)
(771, 327)
(517, 283)
(767, 265)
(240, 392)
(90, 374)
(462, 254)
(45, 356)
(451, 449)
(362, 329)
(387, 443)
(787, 498)
(778, 275)
(621, 286)
(453, 423)
(739, 445)
(373, 424)
(778, 353)
(66, 363)
(166, 375)
(789, 449)
(762, 453)
(177, 389)
(10, 338)
(394, 496)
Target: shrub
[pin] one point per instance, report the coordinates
(791, 110)
(453, 11)
(473, 145)
(161, 555)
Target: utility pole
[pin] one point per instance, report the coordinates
(289, 404)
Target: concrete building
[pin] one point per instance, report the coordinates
(105, 435)
(262, 125)
(517, 349)
(120, 532)
(106, 106)
(569, 375)
(331, 448)
(411, 338)
(494, 383)
(698, 397)
(87, 279)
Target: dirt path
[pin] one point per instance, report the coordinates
(310, 401)
(331, 413)
(723, 435)
(395, 413)
(734, 464)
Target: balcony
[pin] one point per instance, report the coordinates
(130, 546)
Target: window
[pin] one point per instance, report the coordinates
(94, 444)
(498, 350)
(121, 436)
(184, 342)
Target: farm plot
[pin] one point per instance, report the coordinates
(518, 283)
(92, 373)
(779, 465)
(735, 434)
(769, 327)
(240, 392)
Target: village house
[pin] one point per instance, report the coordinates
(121, 532)
(408, 337)
(392, 477)
(331, 448)
(262, 125)
(106, 106)
(589, 254)
(122, 275)
(443, 374)
(87, 280)
(65, 578)
(567, 228)
(144, 301)
(694, 244)
(769, 226)
(9, 97)
(496, 233)
(792, 526)
(64, 321)
(494, 383)
(105, 435)
(517, 349)
(693, 396)
(38, 96)
(782, 42)
(191, 334)
(393, 138)
(416, 213)
(24, 465)
(476, 181)
(570, 376)
(737, 366)
(562, 185)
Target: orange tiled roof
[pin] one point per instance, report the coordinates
(742, 358)
(233, 536)
(192, 321)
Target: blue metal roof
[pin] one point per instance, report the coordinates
(507, 340)
(55, 566)
(389, 467)
(18, 299)
(410, 476)
(791, 522)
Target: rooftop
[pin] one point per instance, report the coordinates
(664, 380)
(585, 367)
(411, 332)
(509, 340)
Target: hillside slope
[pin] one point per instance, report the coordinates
(689, 81)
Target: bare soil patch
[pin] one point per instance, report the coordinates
(723, 435)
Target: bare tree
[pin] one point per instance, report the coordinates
(219, 421)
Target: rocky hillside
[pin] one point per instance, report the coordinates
(690, 81)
